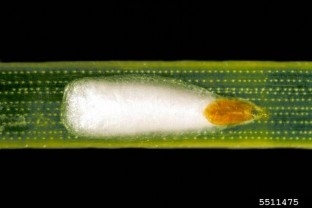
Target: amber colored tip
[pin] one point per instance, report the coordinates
(232, 112)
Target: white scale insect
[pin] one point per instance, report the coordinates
(129, 105)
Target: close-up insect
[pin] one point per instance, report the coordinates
(156, 104)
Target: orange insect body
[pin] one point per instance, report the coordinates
(230, 112)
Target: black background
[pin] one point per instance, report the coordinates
(156, 31)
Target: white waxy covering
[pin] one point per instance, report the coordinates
(101, 108)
